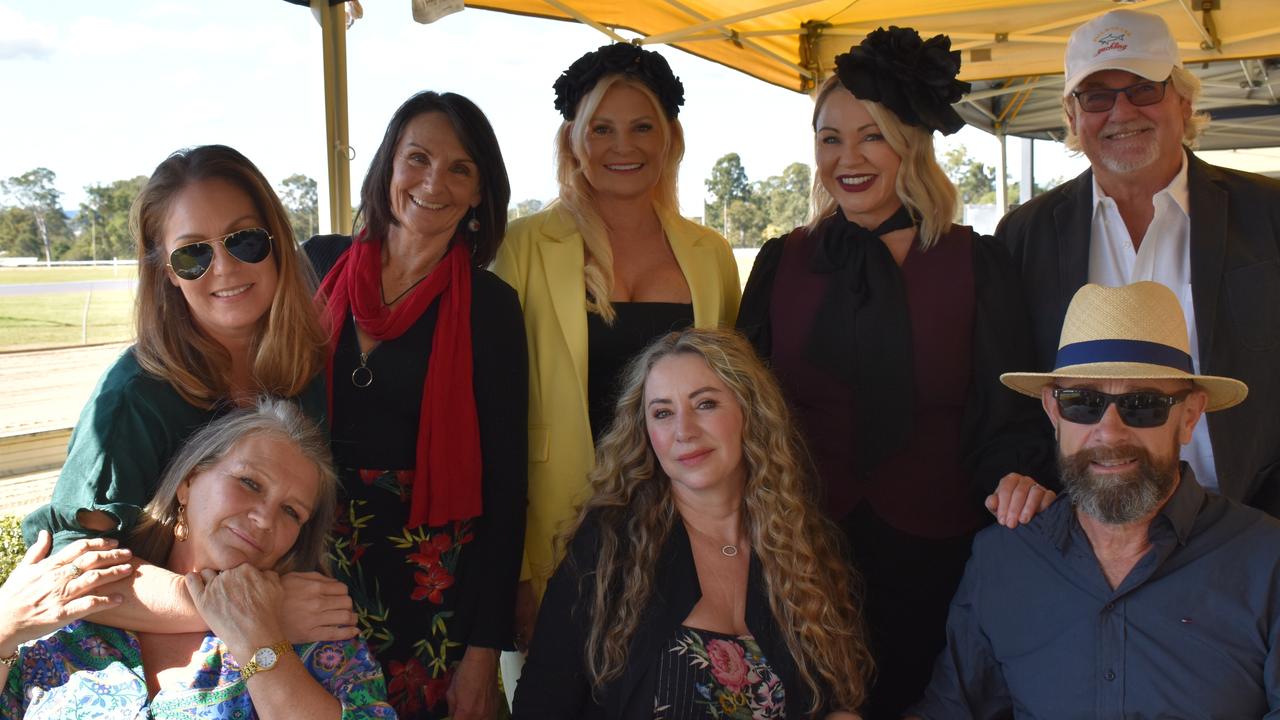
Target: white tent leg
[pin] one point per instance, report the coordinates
(1002, 179)
(1026, 188)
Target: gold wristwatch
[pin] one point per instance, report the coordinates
(265, 658)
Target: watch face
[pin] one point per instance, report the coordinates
(265, 657)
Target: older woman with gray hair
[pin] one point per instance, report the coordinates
(250, 496)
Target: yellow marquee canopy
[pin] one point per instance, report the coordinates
(793, 43)
(1012, 49)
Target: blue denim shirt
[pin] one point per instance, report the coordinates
(1035, 630)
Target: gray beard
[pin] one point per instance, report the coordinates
(1117, 499)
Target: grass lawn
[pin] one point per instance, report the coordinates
(54, 319)
(24, 275)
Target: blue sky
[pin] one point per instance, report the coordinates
(99, 91)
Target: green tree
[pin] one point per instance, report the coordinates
(300, 197)
(34, 192)
(747, 222)
(102, 223)
(785, 199)
(972, 178)
(523, 208)
(727, 183)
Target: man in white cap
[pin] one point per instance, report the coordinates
(1136, 593)
(1148, 209)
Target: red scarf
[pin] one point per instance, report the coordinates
(446, 481)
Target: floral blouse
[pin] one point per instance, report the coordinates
(705, 674)
(86, 670)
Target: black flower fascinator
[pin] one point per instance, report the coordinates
(646, 66)
(914, 78)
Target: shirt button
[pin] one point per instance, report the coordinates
(1109, 607)
(1109, 675)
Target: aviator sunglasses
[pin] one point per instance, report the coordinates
(1103, 99)
(1137, 409)
(191, 261)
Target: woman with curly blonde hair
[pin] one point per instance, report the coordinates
(701, 559)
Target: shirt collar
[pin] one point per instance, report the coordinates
(1179, 511)
(1176, 190)
(1185, 503)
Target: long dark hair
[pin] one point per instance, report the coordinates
(477, 138)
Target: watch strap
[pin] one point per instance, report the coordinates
(252, 667)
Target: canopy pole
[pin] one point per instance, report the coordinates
(1027, 188)
(1002, 182)
(333, 31)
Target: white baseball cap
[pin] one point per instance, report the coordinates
(1121, 40)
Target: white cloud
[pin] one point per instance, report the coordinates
(24, 38)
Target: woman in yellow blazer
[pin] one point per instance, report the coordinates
(605, 269)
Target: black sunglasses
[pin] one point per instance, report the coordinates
(1103, 99)
(1137, 409)
(251, 245)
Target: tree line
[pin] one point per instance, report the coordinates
(34, 223)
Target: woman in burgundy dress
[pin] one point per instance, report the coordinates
(888, 327)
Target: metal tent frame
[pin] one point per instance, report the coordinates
(1011, 49)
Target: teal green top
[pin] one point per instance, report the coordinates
(130, 428)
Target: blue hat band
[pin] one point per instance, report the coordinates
(1133, 351)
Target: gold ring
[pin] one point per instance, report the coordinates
(76, 571)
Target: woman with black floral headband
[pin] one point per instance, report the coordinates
(607, 268)
(888, 327)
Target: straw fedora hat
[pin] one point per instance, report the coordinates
(1134, 332)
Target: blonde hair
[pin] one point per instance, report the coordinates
(577, 197)
(809, 586)
(1184, 82)
(290, 346)
(152, 538)
(922, 185)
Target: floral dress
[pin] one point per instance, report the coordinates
(705, 674)
(93, 671)
(424, 594)
(402, 582)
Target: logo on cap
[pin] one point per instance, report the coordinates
(1111, 39)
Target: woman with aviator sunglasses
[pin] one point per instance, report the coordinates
(223, 314)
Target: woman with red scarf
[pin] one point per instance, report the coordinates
(428, 400)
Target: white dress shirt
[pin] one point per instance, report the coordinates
(1165, 257)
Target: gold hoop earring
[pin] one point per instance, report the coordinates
(180, 530)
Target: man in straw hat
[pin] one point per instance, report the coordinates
(1136, 593)
(1149, 209)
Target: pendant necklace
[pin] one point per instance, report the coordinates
(728, 550)
(362, 377)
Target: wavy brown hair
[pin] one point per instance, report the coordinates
(811, 589)
(152, 538)
(922, 184)
(577, 197)
(289, 348)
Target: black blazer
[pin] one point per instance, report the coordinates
(1235, 287)
(554, 684)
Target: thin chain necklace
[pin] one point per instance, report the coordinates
(728, 550)
(396, 299)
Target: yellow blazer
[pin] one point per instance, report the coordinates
(542, 258)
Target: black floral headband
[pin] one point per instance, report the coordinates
(914, 78)
(646, 66)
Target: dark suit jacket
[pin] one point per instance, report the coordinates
(554, 682)
(1235, 287)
